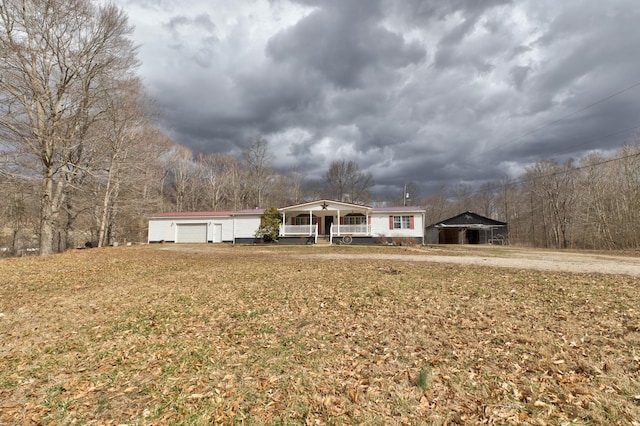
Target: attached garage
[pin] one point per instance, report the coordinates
(204, 227)
(191, 233)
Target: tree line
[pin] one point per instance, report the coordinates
(590, 203)
(81, 159)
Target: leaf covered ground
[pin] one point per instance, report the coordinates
(248, 335)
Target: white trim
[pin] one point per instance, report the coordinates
(242, 225)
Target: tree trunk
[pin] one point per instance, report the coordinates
(48, 216)
(105, 209)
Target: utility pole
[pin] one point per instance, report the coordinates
(404, 195)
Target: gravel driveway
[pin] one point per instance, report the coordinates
(494, 256)
(546, 260)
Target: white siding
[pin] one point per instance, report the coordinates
(380, 225)
(161, 229)
(227, 229)
(246, 226)
(218, 229)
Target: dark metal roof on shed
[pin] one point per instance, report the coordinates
(470, 218)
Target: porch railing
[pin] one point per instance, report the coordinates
(348, 231)
(363, 229)
(295, 230)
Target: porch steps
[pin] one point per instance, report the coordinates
(323, 241)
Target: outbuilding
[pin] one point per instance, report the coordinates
(468, 228)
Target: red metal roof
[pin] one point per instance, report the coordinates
(207, 214)
(192, 214)
(260, 211)
(398, 209)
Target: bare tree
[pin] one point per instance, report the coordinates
(436, 205)
(213, 175)
(483, 200)
(140, 180)
(290, 188)
(629, 181)
(596, 203)
(461, 197)
(257, 163)
(182, 173)
(552, 184)
(149, 166)
(53, 55)
(235, 187)
(345, 181)
(17, 211)
(123, 123)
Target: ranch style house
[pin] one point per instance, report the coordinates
(305, 223)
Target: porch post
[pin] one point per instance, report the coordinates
(284, 223)
(338, 222)
(366, 222)
(310, 222)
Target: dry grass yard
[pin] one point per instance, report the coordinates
(154, 335)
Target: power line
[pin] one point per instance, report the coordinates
(560, 172)
(575, 169)
(551, 123)
(591, 105)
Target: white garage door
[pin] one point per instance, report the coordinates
(192, 233)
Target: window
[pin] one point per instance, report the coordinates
(402, 222)
(304, 220)
(301, 220)
(354, 219)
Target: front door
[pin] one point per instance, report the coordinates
(328, 221)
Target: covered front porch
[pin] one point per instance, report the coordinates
(326, 219)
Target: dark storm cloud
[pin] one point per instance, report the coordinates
(426, 91)
(344, 44)
(605, 126)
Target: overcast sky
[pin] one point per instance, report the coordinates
(428, 91)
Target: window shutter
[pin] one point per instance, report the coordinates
(411, 222)
(369, 220)
(341, 220)
(390, 222)
(293, 220)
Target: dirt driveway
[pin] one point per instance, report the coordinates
(509, 257)
(494, 256)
